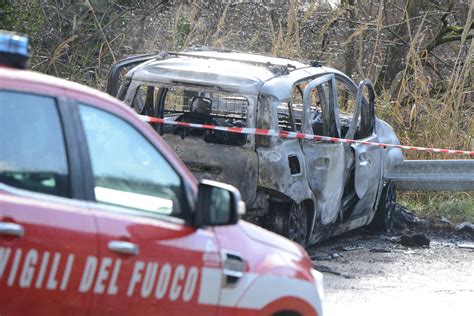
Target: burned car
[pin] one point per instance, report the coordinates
(304, 189)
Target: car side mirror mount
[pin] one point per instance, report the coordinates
(217, 204)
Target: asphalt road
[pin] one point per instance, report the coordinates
(366, 274)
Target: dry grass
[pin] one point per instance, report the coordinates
(457, 207)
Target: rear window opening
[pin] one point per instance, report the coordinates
(199, 107)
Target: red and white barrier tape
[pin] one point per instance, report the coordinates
(285, 134)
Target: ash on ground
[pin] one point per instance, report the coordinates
(420, 260)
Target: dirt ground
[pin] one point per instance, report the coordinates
(373, 274)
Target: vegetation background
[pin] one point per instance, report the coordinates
(417, 52)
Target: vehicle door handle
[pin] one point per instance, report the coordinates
(233, 267)
(123, 247)
(322, 162)
(11, 229)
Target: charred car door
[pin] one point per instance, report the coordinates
(368, 159)
(325, 162)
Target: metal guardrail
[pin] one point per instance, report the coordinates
(433, 175)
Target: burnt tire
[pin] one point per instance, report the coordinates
(293, 223)
(383, 220)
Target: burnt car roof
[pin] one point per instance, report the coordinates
(228, 71)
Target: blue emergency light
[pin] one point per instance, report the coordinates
(13, 49)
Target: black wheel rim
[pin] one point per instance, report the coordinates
(297, 224)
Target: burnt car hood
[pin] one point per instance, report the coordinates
(268, 238)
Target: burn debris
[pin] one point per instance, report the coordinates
(415, 240)
(404, 219)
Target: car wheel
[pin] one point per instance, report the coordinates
(293, 222)
(382, 220)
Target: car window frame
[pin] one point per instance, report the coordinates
(62, 104)
(353, 88)
(187, 206)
